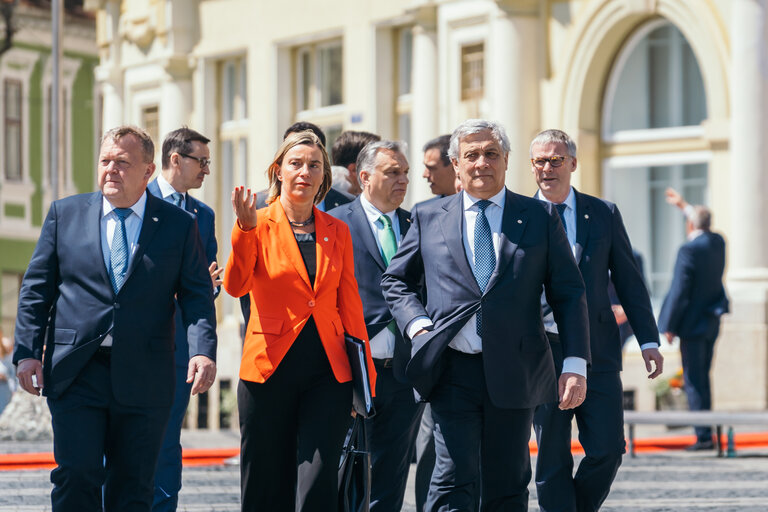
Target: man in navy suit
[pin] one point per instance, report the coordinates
(185, 163)
(377, 224)
(95, 327)
(479, 353)
(601, 247)
(692, 310)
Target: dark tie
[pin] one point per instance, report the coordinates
(485, 257)
(177, 198)
(561, 210)
(118, 258)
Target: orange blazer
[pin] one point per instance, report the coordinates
(266, 262)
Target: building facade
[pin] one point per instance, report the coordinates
(25, 119)
(656, 93)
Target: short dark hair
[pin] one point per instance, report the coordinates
(440, 143)
(349, 144)
(180, 141)
(303, 126)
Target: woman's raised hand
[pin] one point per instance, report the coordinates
(244, 204)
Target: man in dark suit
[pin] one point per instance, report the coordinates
(377, 224)
(601, 247)
(345, 151)
(185, 163)
(95, 327)
(692, 310)
(479, 353)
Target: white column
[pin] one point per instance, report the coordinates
(513, 89)
(175, 101)
(424, 121)
(748, 254)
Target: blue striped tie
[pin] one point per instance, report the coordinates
(485, 257)
(561, 210)
(177, 198)
(118, 259)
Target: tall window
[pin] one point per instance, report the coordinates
(13, 130)
(319, 76)
(472, 71)
(63, 172)
(655, 95)
(150, 121)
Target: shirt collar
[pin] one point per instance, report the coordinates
(166, 189)
(570, 201)
(498, 199)
(374, 213)
(138, 207)
(695, 234)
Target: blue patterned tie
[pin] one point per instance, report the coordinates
(177, 198)
(118, 259)
(561, 210)
(485, 257)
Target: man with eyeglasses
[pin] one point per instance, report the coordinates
(600, 245)
(185, 162)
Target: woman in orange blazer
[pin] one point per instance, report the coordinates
(295, 392)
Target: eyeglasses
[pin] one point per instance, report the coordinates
(204, 162)
(554, 161)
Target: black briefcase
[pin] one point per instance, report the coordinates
(355, 470)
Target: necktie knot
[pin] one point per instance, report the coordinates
(122, 213)
(386, 221)
(483, 204)
(177, 198)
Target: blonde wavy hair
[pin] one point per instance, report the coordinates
(306, 138)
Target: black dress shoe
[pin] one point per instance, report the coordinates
(700, 445)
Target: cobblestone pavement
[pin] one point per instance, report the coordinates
(667, 481)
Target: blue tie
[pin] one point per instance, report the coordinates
(561, 210)
(485, 257)
(118, 259)
(177, 198)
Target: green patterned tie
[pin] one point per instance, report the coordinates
(388, 249)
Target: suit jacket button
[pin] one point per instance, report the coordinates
(311, 303)
(117, 305)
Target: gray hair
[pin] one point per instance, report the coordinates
(147, 146)
(554, 136)
(473, 126)
(700, 217)
(367, 157)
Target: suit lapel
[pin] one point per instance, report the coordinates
(453, 233)
(149, 225)
(92, 223)
(325, 233)
(513, 223)
(405, 222)
(582, 225)
(361, 230)
(279, 222)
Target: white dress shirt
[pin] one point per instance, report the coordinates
(167, 190)
(383, 344)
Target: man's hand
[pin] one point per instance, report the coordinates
(420, 332)
(674, 198)
(653, 354)
(202, 370)
(670, 336)
(244, 204)
(572, 390)
(25, 371)
(619, 314)
(215, 272)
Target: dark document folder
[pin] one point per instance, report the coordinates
(362, 399)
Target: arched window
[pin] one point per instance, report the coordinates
(652, 136)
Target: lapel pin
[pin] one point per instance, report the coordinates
(519, 221)
(586, 215)
(195, 210)
(325, 239)
(154, 219)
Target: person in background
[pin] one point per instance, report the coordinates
(693, 306)
(377, 224)
(185, 162)
(345, 150)
(295, 391)
(7, 371)
(438, 170)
